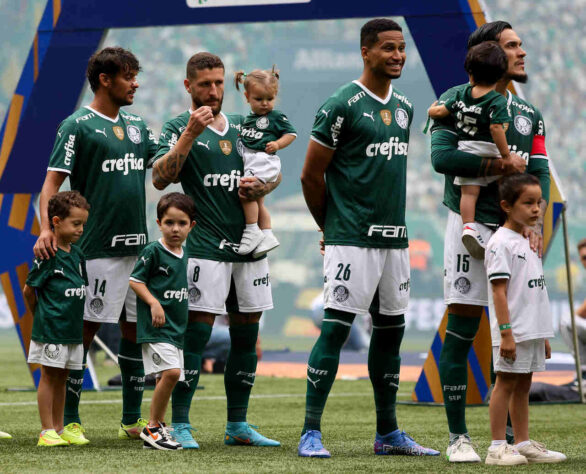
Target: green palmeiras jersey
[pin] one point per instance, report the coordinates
(165, 275)
(59, 283)
(258, 130)
(366, 179)
(106, 162)
(525, 136)
(474, 116)
(211, 176)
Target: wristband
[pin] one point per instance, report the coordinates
(503, 327)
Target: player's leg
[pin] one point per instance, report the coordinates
(252, 235)
(465, 293)
(351, 276)
(59, 399)
(75, 379)
(74, 361)
(132, 374)
(249, 296)
(162, 394)
(384, 362)
(269, 242)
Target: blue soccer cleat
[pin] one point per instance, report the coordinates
(182, 434)
(310, 446)
(400, 443)
(243, 434)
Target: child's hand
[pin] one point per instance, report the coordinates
(547, 349)
(508, 348)
(272, 147)
(158, 314)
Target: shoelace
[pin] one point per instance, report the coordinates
(142, 422)
(466, 441)
(77, 428)
(539, 446)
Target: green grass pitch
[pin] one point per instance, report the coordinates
(277, 407)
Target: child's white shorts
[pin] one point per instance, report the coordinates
(530, 358)
(160, 356)
(259, 164)
(485, 149)
(62, 356)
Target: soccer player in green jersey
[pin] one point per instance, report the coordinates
(354, 181)
(104, 151)
(198, 149)
(482, 116)
(465, 282)
(159, 279)
(55, 294)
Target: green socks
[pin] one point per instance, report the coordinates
(240, 369)
(132, 370)
(323, 365)
(453, 369)
(197, 336)
(384, 363)
(73, 394)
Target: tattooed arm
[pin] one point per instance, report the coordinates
(167, 168)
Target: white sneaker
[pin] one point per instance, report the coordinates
(462, 450)
(535, 452)
(473, 242)
(504, 455)
(251, 238)
(269, 243)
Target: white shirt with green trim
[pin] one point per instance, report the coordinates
(508, 256)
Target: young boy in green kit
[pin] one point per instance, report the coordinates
(55, 294)
(159, 279)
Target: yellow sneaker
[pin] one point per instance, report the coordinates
(51, 438)
(132, 431)
(4, 435)
(73, 433)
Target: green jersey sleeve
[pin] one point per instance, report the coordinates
(499, 111)
(142, 269)
(39, 272)
(66, 146)
(152, 146)
(284, 126)
(167, 140)
(329, 123)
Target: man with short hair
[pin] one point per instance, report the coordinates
(465, 282)
(580, 321)
(354, 181)
(198, 149)
(104, 152)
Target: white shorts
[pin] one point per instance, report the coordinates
(244, 287)
(530, 358)
(160, 356)
(485, 149)
(353, 275)
(465, 279)
(62, 356)
(259, 164)
(108, 290)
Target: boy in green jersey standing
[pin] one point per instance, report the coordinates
(55, 294)
(159, 279)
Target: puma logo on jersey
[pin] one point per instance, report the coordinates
(59, 133)
(370, 115)
(103, 132)
(163, 134)
(204, 144)
(314, 382)
(37, 262)
(59, 271)
(522, 257)
(144, 260)
(165, 270)
(325, 112)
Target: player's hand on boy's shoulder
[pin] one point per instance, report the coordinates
(46, 245)
(158, 314)
(535, 237)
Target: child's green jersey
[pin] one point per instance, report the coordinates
(60, 287)
(165, 275)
